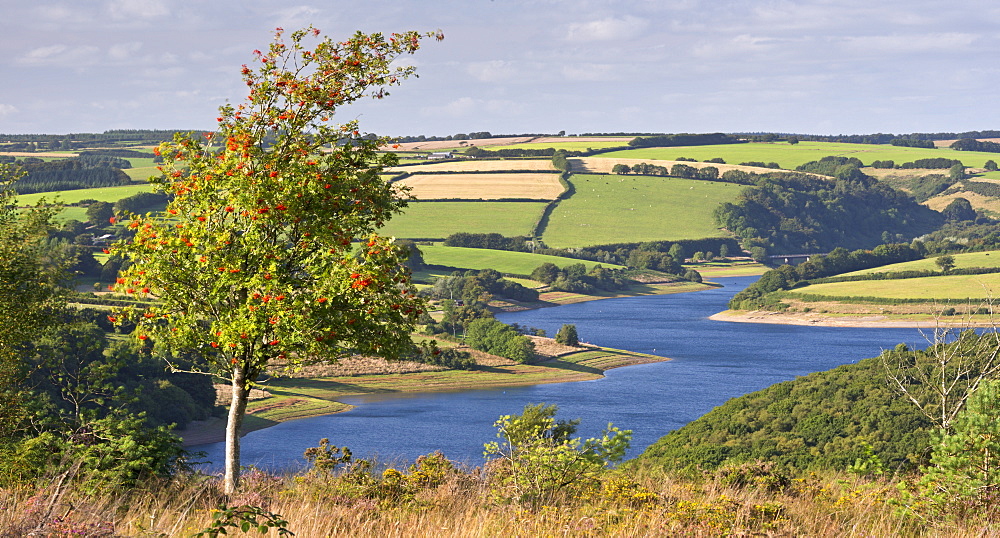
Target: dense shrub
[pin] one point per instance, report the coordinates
(498, 338)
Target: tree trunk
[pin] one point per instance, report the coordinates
(237, 408)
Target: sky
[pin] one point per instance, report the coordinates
(523, 66)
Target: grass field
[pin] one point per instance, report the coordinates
(477, 165)
(538, 186)
(72, 213)
(101, 194)
(518, 263)
(568, 144)
(141, 174)
(618, 209)
(790, 156)
(440, 219)
(962, 261)
(974, 287)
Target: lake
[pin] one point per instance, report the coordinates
(712, 361)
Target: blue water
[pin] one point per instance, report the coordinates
(712, 361)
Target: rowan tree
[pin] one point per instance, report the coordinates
(251, 267)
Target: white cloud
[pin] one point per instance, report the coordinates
(57, 13)
(42, 54)
(124, 51)
(910, 44)
(742, 45)
(608, 29)
(292, 18)
(493, 71)
(460, 107)
(128, 10)
(589, 72)
(61, 55)
(7, 110)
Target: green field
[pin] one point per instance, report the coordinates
(516, 263)
(141, 174)
(975, 287)
(962, 261)
(72, 213)
(790, 156)
(619, 209)
(438, 220)
(101, 194)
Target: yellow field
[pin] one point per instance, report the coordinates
(484, 186)
(472, 165)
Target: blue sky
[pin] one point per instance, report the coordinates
(524, 66)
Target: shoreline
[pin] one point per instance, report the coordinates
(869, 321)
(213, 430)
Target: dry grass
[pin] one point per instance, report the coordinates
(478, 166)
(978, 201)
(354, 366)
(547, 347)
(466, 504)
(885, 173)
(485, 186)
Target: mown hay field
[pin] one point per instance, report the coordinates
(537, 186)
(438, 220)
(619, 209)
(477, 165)
(515, 263)
(790, 156)
(954, 287)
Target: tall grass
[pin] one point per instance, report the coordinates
(641, 502)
